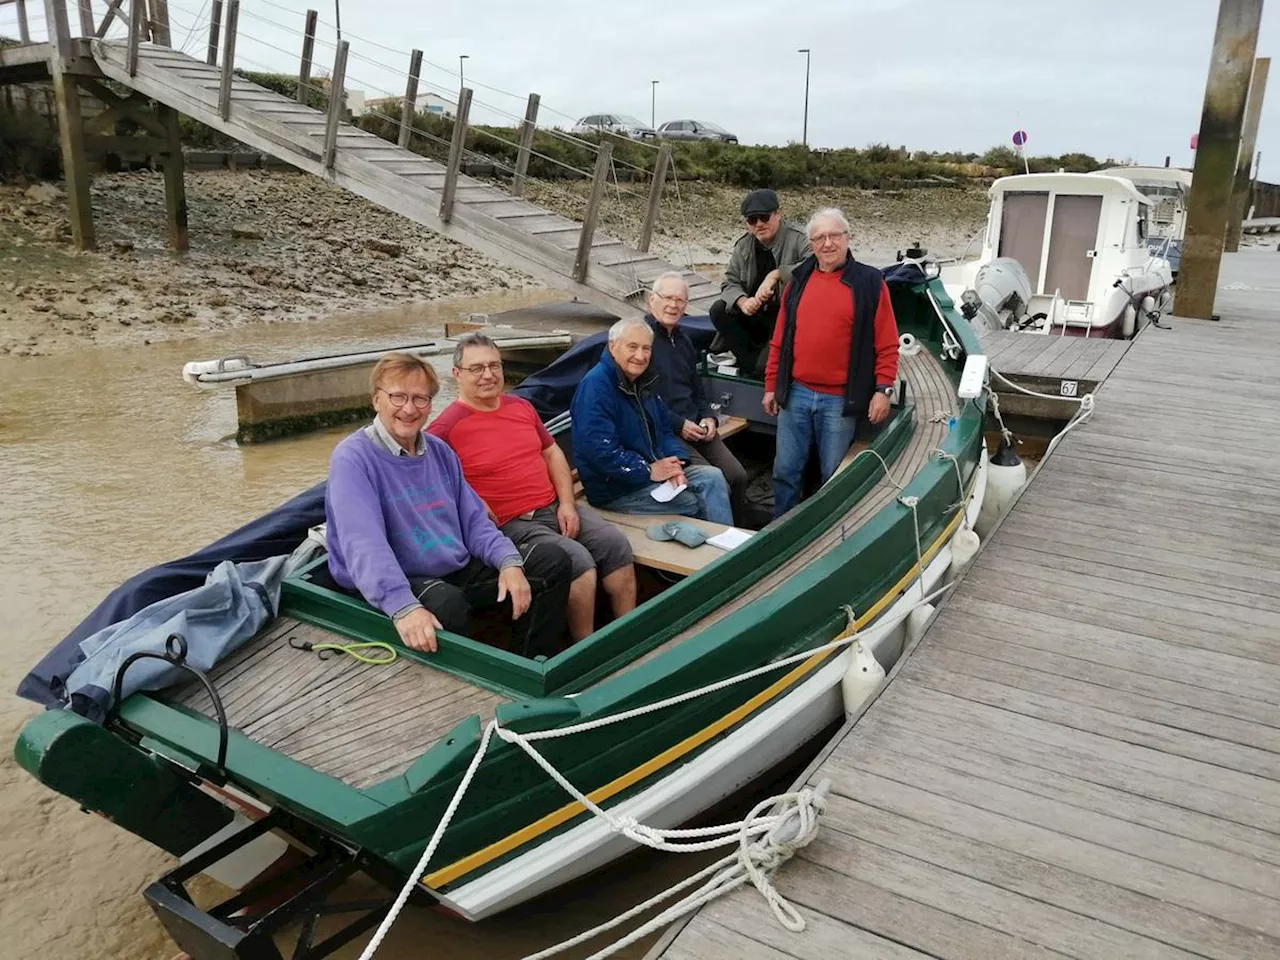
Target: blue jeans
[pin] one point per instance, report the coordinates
(706, 497)
(808, 417)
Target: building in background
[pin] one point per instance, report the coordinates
(432, 103)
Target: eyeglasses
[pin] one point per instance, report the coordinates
(398, 399)
(822, 238)
(477, 369)
(682, 301)
(756, 218)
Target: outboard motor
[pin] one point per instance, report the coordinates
(999, 296)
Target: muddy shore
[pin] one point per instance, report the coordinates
(269, 247)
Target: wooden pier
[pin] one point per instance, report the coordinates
(1081, 758)
(1061, 366)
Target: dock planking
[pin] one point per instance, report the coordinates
(1045, 363)
(1081, 758)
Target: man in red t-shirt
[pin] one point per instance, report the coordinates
(833, 358)
(512, 462)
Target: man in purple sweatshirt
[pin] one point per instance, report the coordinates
(407, 532)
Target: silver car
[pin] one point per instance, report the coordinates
(695, 130)
(619, 123)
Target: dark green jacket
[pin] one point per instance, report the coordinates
(742, 277)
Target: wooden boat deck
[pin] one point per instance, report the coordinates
(365, 723)
(358, 722)
(1082, 756)
(934, 396)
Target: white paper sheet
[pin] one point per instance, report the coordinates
(730, 538)
(666, 492)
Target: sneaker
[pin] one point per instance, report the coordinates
(721, 358)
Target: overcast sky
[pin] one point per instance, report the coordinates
(1107, 77)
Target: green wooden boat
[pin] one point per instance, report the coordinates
(357, 762)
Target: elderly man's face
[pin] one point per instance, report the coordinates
(403, 404)
(632, 349)
(668, 302)
(479, 375)
(829, 241)
(764, 226)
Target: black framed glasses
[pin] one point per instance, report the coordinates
(477, 369)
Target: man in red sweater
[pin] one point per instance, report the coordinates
(833, 357)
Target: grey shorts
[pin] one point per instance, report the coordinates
(600, 545)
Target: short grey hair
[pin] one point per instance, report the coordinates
(476, 339)
(669, 275)
(619, 328)
(827, 213)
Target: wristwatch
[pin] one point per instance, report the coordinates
(887, 391)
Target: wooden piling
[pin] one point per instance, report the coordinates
(604, 163)
(655, 197)
(136, 9)
(175, 191)
(527, 130)
(75, 168)
(337, 85)
(1248, 140)
(308, 51)
(24, 31)
(215, 24)
(456, 147)
(161, 32)
(1230, 65)
(409, 107)
(228, 59)
(86, 17)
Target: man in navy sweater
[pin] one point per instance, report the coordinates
(675, 361)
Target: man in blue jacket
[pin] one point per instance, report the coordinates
(623, 442)
(675, 361)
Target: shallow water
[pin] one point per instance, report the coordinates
(110, 463)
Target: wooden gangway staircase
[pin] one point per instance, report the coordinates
(485, 216)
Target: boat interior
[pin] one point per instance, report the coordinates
(365, 723)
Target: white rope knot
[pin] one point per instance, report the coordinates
(911, 502)
(796, 825)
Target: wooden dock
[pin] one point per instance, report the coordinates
(1062, 366)
(1081, 758)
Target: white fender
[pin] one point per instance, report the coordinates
(862, 679)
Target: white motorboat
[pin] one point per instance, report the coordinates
(1065, 254)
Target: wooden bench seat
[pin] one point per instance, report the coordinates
(665, 554)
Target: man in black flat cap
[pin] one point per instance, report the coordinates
(759, 267)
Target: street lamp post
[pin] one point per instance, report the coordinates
(462, 80)
(653, 104)
(805, 135)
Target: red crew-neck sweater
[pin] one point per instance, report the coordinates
(824, 333)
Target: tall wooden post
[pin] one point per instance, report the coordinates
(86, 18)
(215, 24)
(1252, 116)
(136, 10)
(75, 169)
(1230, 64)
(527, 130)
(604, 163)
(24, 31)
(228, 59)
(160, 30)
(337, 89)
(308, 51)
(408, 108)
(655, 196)
(456, 147)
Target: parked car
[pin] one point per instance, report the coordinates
(619, 123)
(695, 130)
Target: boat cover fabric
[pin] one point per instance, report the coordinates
(216, 618)
(550, 390)
(276, 534)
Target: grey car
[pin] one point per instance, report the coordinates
(695, 130)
